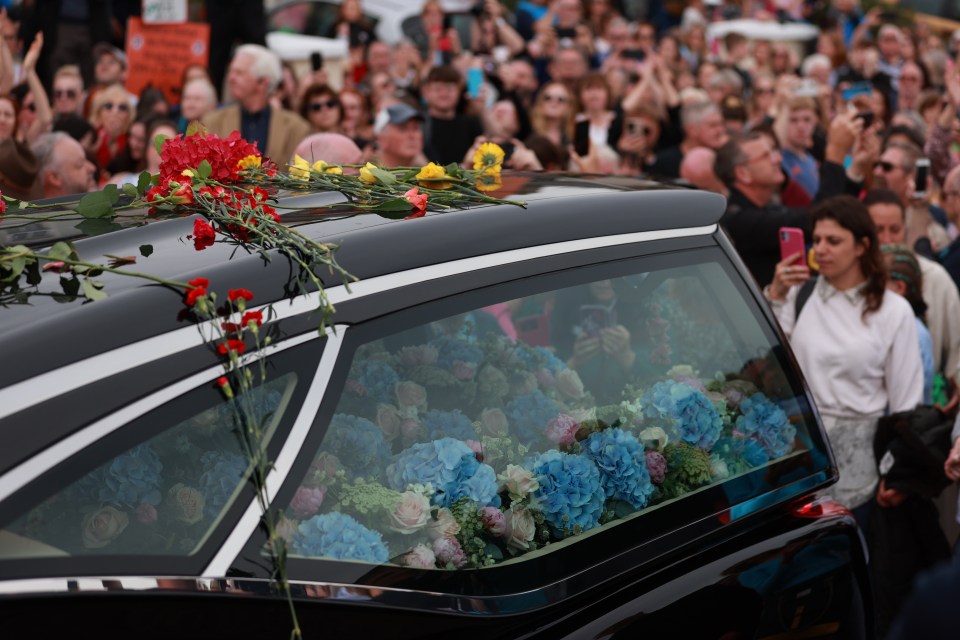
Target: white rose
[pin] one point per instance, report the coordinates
(518, 482)
(521, 527)
(445, 526)
(411, 514)
(420, 557)
(654, 438)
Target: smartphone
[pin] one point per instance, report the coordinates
(867, 117)
(566, 32)
(508, 149)
(474, 81)
(316, 60)
(920, 178)
(808, 88)
(595, 317)
(635, 54)
(791, 242)
(857, 89)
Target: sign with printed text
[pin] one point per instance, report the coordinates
(158, 54)
(164, 11)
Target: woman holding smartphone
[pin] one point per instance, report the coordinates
(855, 341)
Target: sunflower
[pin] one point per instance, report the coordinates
(488, 158)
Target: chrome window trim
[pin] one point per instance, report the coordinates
(235, 542)
(51, 384)
(30, 469)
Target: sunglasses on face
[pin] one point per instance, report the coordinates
(884, 166)
(554, 98)
(120, 106)
(326, 104)
(65, 93)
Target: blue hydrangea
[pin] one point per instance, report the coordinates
(754, 454)
(340, 537)
(766, 423)
(528, 416)
(735, 450)
(222, 473)
(377, 380)
(127, 480)
(570, 493)
(448, 424)
(358, 444)
(450, 350)
(692, 418)
(622, 462)
(537, 357)
(451, 467)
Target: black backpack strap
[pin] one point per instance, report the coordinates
(806, 290)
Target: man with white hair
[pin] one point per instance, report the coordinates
(703, 126)
(253, 74)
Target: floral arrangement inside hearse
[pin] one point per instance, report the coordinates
(464, 453)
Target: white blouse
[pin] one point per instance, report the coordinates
(856, 368)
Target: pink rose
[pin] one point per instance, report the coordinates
(186, 502)
(521, 527)
(100, 528)
(493, 422)
(570, 384)
(411, 514)
(518, 482)
(476, 447)
(463, 370)
(562, 430)
(388, 419)
(323, 469)
(545, 378)
(356, 388)
(410, 394)
(524, 383)
(656, 466)
(422, 355)
(494, 521)
(307, 501)
(448, 552)
(420, 557)
(411, 430)
(444, 526)
(146, 513)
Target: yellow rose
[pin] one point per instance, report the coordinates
(322, 167)
(300, 169)
(428, 177)
(366, 175)
(186, 502)
(100, 528)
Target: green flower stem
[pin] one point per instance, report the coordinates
(106, 269)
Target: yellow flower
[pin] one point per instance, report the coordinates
(488, 158)
(300, 169)
(488, 181)
(322, 167)
(366, 175)
(429, 174)
(250, 162)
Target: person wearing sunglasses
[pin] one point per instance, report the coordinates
(112, 115)
(68, 91)
(320, 106)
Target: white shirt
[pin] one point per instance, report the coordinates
(856, 368)
(943, 315)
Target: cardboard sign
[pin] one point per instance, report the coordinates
(158, 54)
(164, 11)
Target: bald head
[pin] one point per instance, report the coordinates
(332, 148)
(697, 169)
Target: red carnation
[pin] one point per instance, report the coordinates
(231, 346)
(230, 327)
(199, 282)
(252, 316)
(236, 294)
(203, 234)
(198, 289)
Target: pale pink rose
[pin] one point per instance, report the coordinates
(493, 422)
(518, 482)
(521, 527)
(494, 521)
(545, 378)
(420, 557)
(418, 356)
(146, 513)
(100, 528)
(562, 430)
(323, 469)
(476, 447)
(388, 419)
(307, 501)
(186, 502)
(445, 525)
(570, 384)
(356, 388)
(463, 370)
(410, 394)
(448, 551)
(524, 383)
(412, 513)
(411, 430)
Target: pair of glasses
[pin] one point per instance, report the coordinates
(65, 93)
(326, 104)
(769, 154)
(119, 106)
(884, 166)
(554, 98)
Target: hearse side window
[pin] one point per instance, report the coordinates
(499, 434)
(162, 496)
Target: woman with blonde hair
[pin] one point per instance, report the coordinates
(553, 112)
(112, 114)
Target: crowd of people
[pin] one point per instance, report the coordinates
(852, 137)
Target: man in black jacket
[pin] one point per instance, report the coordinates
(750, 167)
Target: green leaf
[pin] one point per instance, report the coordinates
(60, 251)
(158, 142)
(112, 192)
(146, 250)
(97, 226)
(70, 286)
(33, 273)
(397, 204)
(452, 169)
(204, 169)
(383, 176)
(91, 292)
(98, 204)
(130, 190)
(143, 182)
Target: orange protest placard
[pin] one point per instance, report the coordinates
(158, 54)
